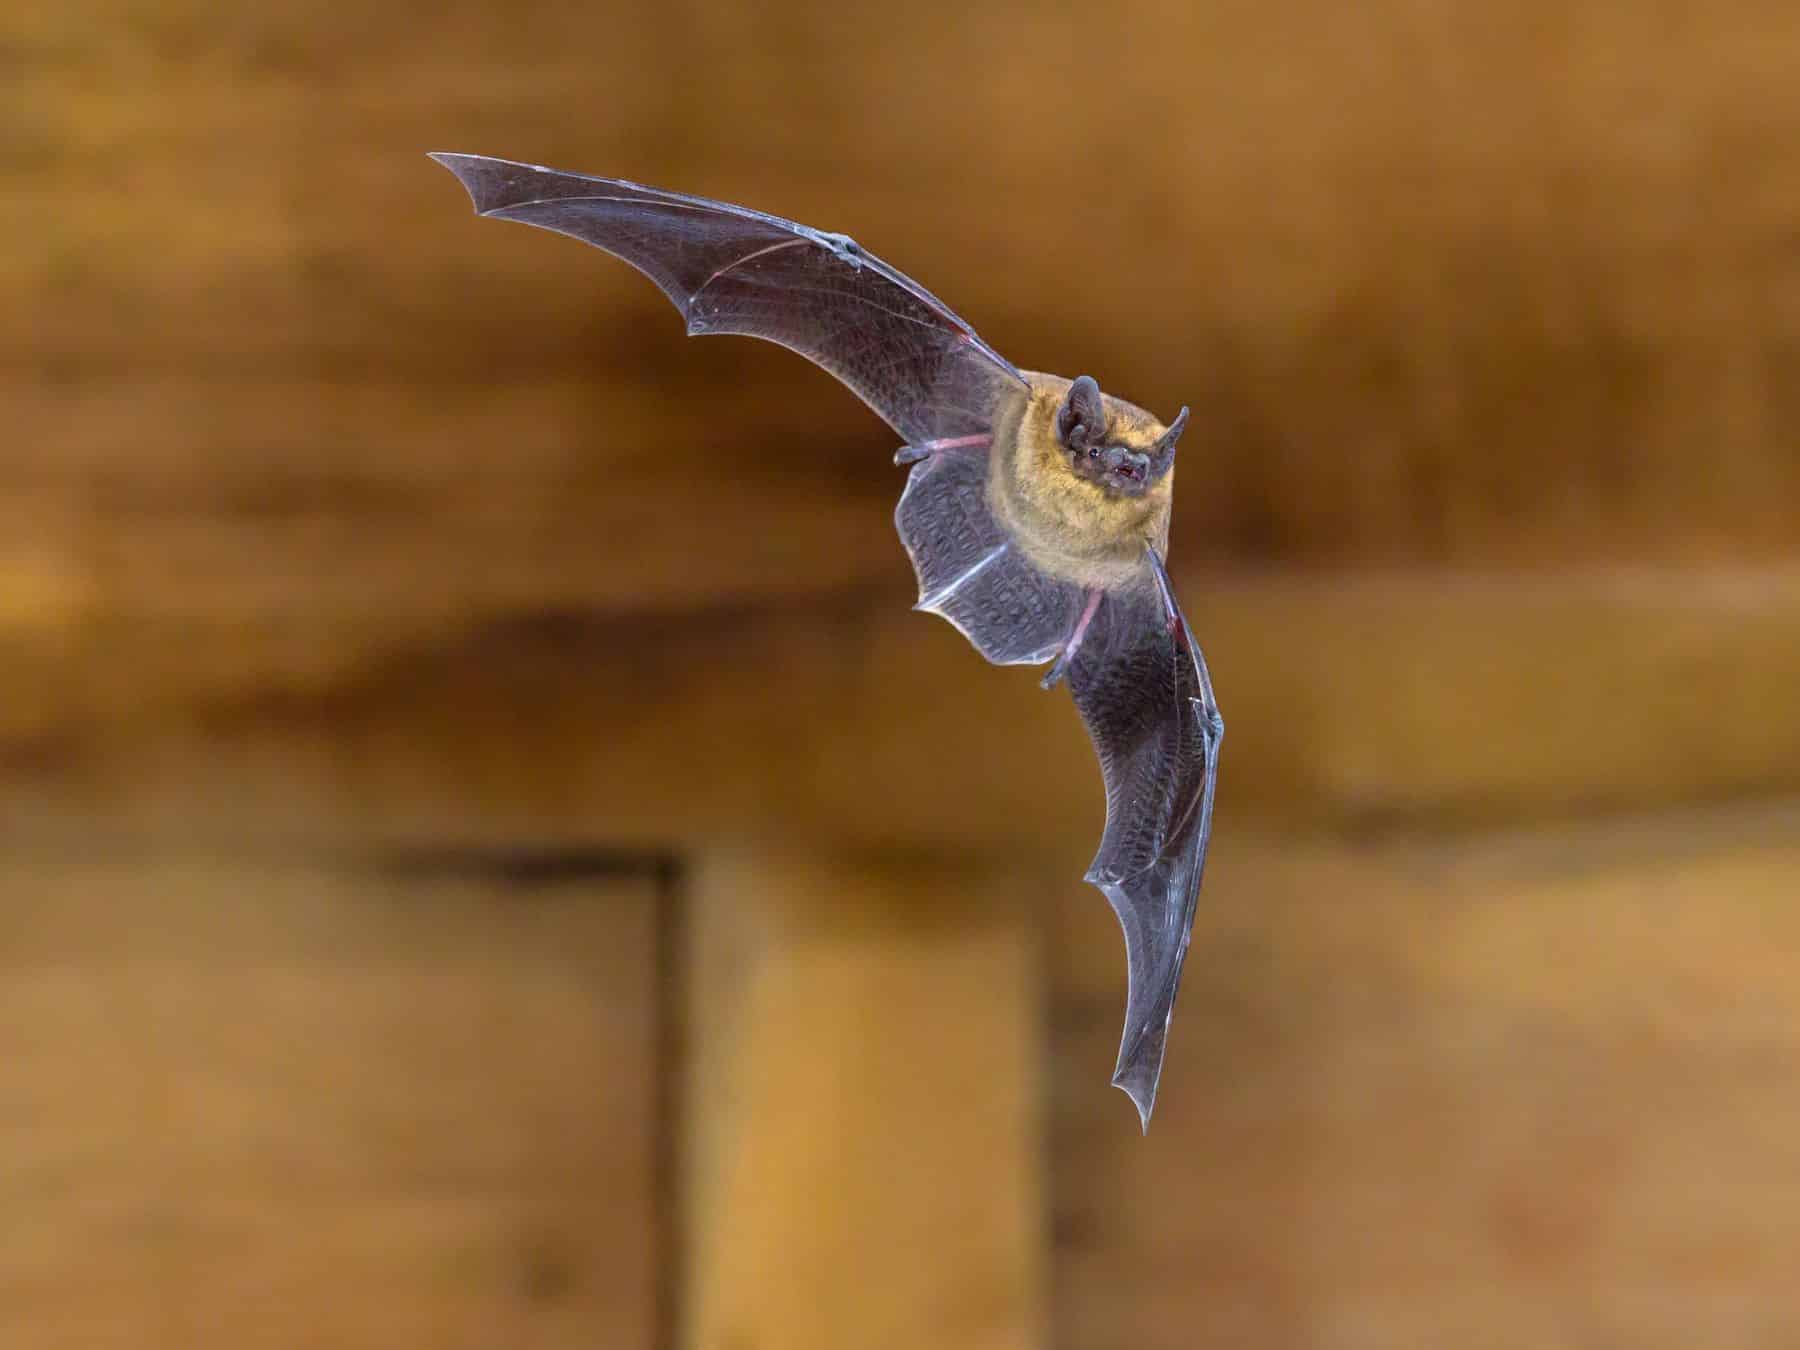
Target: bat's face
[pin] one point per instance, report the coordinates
(1112, 443)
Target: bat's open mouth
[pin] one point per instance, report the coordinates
(1126, 469)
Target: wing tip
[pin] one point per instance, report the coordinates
(492, 184)
(1142, 1094)
(461, 166)
(1138, 1071)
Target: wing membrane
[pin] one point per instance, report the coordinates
(971, 573)
(729, 269)
(1142, 687)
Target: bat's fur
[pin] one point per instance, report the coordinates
(1068, 525)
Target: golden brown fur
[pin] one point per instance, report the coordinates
(1068, 526)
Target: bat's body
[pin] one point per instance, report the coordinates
(1072, 527)
(1036, 515)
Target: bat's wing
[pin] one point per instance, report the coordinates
(1143, 689)
(971, 572)
(733, 270)
(1141, 686)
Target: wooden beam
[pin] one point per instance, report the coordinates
(865, 1156)
(1349, 704)
(1403, 339)
(289, 1103)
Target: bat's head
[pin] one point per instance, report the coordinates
(1110, 442)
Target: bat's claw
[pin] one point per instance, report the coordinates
(1059, 671)
(912, 454)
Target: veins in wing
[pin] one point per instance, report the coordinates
(969, 573)
(954, 337)
(840, 246)
(748, 257)
(731, 269)
(1143, 690)
(935, 599)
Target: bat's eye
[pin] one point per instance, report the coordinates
(1094, 452)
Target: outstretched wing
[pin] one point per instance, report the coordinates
(1143, 689)
(729, 269)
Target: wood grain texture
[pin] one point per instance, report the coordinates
(267, 1104)
(1350, 705)
(332, 516)
(1537, 1089)
(292, 436)
(1442, 284)
(866, 1160)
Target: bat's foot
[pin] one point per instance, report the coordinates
(1213, 724)
(912, 454)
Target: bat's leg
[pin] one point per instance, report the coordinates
(1207, 702)
(912, 454)
(1073, 645)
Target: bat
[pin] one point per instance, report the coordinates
(1036, 515)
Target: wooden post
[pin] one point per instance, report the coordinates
(865, 1157)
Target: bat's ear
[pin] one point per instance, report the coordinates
(1081, 421)
(1162, 454)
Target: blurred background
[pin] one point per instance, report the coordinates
(490, 859)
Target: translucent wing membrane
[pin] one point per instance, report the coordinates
(729, 269)
(1141, 685)
(971, 573)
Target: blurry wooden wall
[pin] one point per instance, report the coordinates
(265, 1102)
(334, 522)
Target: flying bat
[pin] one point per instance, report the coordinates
(1036, 515)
